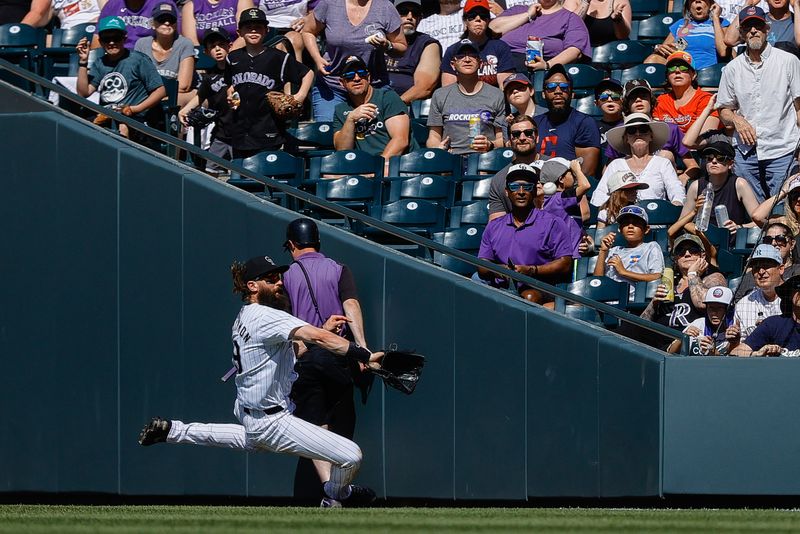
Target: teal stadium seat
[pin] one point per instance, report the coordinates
(584, 267)
(489, 162)
(426, 161)
(20, 44)
(355, 192)
(588, 106)
(311, 139)
(584, 79)
(643, 293)
(277, 165)
(201, 60)
(643, 9)
(710, 77)
(345, 162)
(656, 28)
(597, 288)
(660, 212)
(620, 54)
(439, 189)
(55, 60)
(419, 131)
(746, 240)
(475, 213)
(421, 217)
(466, 239)
(475, 188)
(654, 74)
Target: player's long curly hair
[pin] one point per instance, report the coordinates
(239, 283)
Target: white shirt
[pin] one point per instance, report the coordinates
(74, 12)
(264, 356)
(446, 29)
(659, 175)
(764, 94)
(646, 258)
(750, 306)
(281, 13)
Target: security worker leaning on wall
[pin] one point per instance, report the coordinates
(319, 287)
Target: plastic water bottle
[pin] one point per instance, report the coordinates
(704, 215)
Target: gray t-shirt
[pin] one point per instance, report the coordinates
(498, 200)
(343, 39)
(181, 49)
(452, 109)
(647, 258)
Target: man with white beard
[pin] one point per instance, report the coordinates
(759, 96)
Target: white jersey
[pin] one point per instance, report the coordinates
(447, 29)
(264, 356)
(754, 308)
(74, 12)
(281, 13)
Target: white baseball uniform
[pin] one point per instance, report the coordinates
(264, 357)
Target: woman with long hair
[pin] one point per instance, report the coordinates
(623, 188)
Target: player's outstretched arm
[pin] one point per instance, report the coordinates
(336, 344)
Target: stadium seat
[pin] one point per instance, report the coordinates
(466, 239)
(311, 139)
(426, 161)
(587, 105)
(660, 212)
(475, 188)
(655, 74)
(730, 264)
(20, 44)
(355, 192)
(344, 163)
(489, 162)
(583, 267)
(719, 237)
(584, 79)
(420, 132)
(709, 77)
(277, 165)
(597, 288)
(473, 213)
(656, 28)
(643, 9)
(420, 108)
(733, 283)
(201, 60)
(55, 60)
(421, 217)
(620, 54)
(643, 293)
(746, 240)
(439, 189)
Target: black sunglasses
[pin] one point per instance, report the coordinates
(633, 130)
(718, 158)
(111, 37)
(403, 11)
(352, 74)
(516, 134)
(694, 250)
(780, 240)
(472, 15)
(616, 97)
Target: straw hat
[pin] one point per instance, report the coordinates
(616, 135)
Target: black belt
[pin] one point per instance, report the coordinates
(268, 411)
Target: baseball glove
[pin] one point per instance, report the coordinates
(201, 117)
(284, 106)
(400, 369)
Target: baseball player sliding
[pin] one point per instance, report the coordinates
(265, 337)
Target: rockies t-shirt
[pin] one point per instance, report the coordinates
(372, 137)
(128, 81)
(219, 15)
(137, 23)
(452, 109)
(495, 57)
(253, 77)
(559, 139)
(214, 89)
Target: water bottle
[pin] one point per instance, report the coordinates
(704, 215)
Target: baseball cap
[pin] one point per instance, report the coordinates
(353, 63)
(553, 169)
(681, 56)
(397, 3)
(522, 171)
(794, 184)
(164, 8)
(723, 148)
(752, 12)
(607, 84)
(476, 4)
(624, 180)
(636, 85)
(517, 78)
(253, 15)
(466, 43)
(558, 68)
(633, 211)
(718, 294)
(111, 24)
(216, 34)
(688, 238)
(258, 266)
(767, 252)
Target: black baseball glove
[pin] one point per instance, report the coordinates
(400, 369)
(201, 117)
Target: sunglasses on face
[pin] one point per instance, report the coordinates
(516, 186)
(641, 130)
(780, 240)
(165, 19)
(516, 134)
(718, 158)
(766, 265)
(403, 11)
(694, 251)
(472, 15)
(552, 86)
(677, 68)
(616, 97)
(462, 57)
(793, 199)
(352, 74)
(270, 278)
(111, 38)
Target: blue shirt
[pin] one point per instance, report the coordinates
(700, 39)
(495, 57)
(129, 81)
(579, 130)
(777, 330)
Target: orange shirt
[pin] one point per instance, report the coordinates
(666, 111)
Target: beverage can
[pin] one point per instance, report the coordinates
(668, 279)
(236, 100)
(721, 214)
(533, 49)
(474, 127)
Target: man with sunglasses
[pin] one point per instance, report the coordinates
(563, 131)
(373, 119)
(535, 242)
(266, 342)
(466, 117)
(759, 96)
(415, 75)
(730, 191)
(126, 80)
(779, 236)
(608, 98)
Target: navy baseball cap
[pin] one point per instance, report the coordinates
(164, 8)
(253, 15)
(466, 43)
(723, 148)
(517, 78)
(752, 12)
(259, 266)
(558, 68)
(633, 211)
(606, 85)
(353, 63)
(216, 34)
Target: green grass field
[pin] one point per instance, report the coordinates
(157, 519)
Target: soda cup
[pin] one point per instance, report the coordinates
(667, 279)
(474, 128)
(533, 49)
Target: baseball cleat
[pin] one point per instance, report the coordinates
(155, 432)
(359, 496)
(327, 502)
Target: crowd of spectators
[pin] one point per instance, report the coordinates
(365, 65)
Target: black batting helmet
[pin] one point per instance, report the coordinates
(303, 233)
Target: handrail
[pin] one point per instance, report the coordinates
(347, 213)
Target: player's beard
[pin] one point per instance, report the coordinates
(274, 299)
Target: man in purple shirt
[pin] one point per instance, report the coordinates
(534, 241)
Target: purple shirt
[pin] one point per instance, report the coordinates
(674, 144)
(137, 22)
(565, 208)
(558, 31)
(541, 239)
(222, 15)
(324, 274)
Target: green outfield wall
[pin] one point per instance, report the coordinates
(117, 306)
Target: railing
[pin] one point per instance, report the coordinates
(349, 215)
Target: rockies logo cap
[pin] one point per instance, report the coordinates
(522, 171)
(258, 266)
(253, 15)
(624, 180)
(718, 294)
